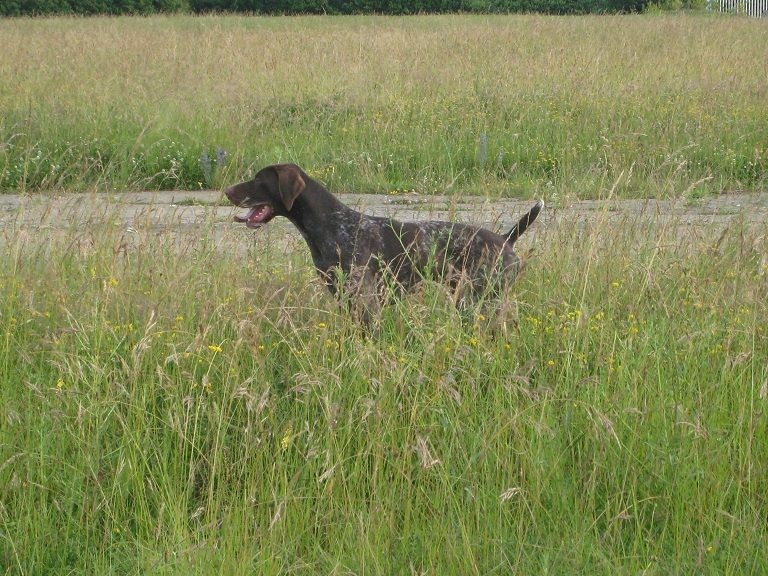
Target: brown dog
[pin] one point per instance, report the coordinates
(362, 255)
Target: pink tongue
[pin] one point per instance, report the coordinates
(255, 215)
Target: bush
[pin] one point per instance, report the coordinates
(418, 6)
(87, 7)
(21, 7)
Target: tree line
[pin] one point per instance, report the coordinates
(146, 7)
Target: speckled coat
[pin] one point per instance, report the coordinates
(366, 258)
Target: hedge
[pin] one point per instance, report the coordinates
(89, 7)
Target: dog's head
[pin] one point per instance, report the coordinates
(271, 193)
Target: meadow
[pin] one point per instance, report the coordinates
(497, 105)
(194, 403)
(188, 399)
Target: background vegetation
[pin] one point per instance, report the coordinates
(145, 7)
(513, 105)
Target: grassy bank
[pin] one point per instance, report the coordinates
(522, 105)
(171, 407)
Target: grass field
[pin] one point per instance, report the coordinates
(184, 404)
(519, 106)
(194, 405)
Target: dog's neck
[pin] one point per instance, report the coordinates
(315, 206)
(322, 219)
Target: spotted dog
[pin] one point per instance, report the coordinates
(360, 256)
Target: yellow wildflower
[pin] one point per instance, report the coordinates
(286, 439)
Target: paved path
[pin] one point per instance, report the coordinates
(183, 213)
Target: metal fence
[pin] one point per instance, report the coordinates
(756, 8)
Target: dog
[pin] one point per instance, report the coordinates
(364, 259)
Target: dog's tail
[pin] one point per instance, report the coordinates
(522, 225)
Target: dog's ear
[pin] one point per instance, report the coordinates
(290, 184)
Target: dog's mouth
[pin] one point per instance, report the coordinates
(257, 216)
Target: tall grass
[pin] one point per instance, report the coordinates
(178, 404)
(497, 105)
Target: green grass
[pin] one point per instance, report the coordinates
(497, 105)
(176, 405)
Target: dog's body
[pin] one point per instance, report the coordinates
(363, 254)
